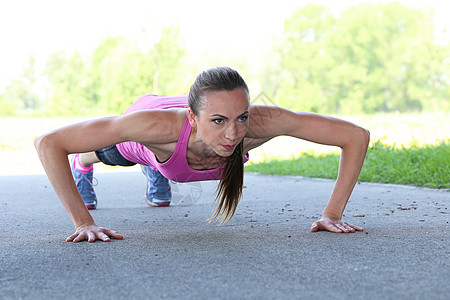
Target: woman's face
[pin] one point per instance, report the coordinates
(223, 121)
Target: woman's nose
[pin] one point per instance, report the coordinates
(231, 132)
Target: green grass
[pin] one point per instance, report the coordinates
(425, 166)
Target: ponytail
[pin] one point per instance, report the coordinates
(229, 190)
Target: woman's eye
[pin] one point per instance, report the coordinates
(243, 118)
(218, 121)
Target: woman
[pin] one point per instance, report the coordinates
(202, 136)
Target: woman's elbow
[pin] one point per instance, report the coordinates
(366, 136)
(357, 137)
(363, 137)
(44, 142)
(38, 143)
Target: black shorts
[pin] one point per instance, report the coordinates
(112, 157)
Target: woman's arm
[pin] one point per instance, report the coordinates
(54, 147)
(353, 140)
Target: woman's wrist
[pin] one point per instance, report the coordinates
(331, 215)
(81, 217)
(84, 225)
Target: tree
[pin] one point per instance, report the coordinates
(7, 107)
(66, 73)
(373, 58)
(168, 54)
(120, 72)
(117, 73)
(22, 92)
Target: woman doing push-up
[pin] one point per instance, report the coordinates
(203, 135)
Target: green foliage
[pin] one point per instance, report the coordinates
(67, 74)
(426, 166)
(373, 58)
(167, 58)
(7, 108)
(108, 80)
(21, 93)
(370, 59)
(122, 74)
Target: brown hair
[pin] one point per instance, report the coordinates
(229, 190)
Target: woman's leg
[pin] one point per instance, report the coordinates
(83, 170)
(158, 191)
(83, 175)
(88, 159)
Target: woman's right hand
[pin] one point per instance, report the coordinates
(92, 233)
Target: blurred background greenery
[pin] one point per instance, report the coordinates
(383, 65)
(370, 58)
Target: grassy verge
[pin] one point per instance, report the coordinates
(426, 165)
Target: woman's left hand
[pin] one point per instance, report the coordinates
(334, 225)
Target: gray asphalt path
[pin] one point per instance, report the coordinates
(265, 252)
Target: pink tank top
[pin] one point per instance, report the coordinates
(176, 168)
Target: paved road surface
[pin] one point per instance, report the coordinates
(265, 252)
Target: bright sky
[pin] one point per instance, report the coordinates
(234, 26)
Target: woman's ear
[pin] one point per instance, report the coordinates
(192, 117)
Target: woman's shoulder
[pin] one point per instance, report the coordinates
(160, 115)
(156, 125)
(266, 122)
(265, 116)
(260, 110)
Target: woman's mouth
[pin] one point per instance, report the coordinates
(229, 147)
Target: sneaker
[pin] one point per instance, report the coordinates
(158, 191)
(84, 185)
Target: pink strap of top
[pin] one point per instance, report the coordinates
(176, 168)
